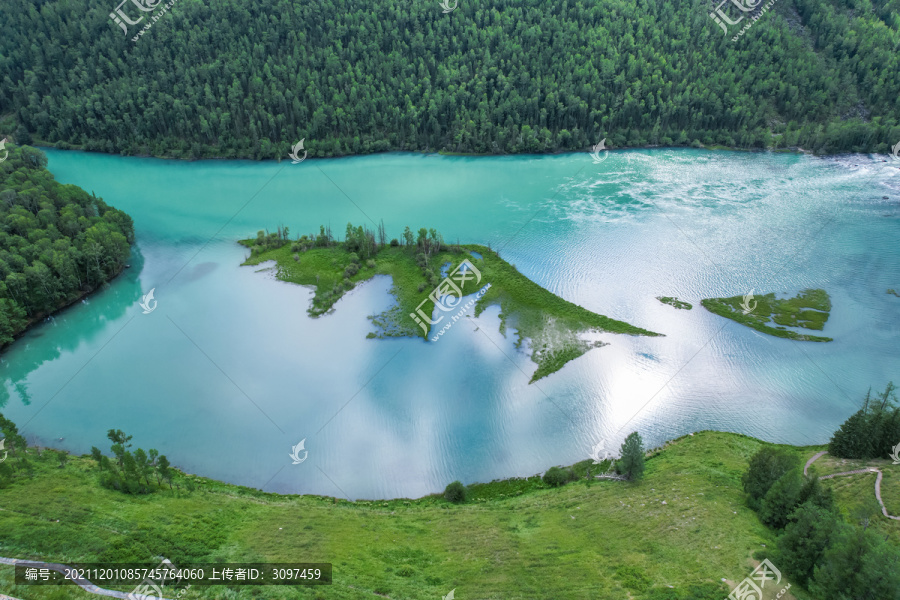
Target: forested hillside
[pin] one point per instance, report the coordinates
(233, 78)
(57, 242)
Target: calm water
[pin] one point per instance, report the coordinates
(228, 373)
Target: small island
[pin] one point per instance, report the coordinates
(680, 304)
(809, 310)
(430, 274)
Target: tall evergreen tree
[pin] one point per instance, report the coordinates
(632, 462)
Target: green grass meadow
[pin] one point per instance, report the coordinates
(685, 525)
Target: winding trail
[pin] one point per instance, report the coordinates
(80, 582)
(813, 459)
(866, 470)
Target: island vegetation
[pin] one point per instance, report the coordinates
(691, 520)
(809, 310)
(417, 263)
(57, 242)
(680, 304)
(249, 79)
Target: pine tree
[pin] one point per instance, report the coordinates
(632, 462)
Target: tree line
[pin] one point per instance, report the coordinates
(871, 432)
(249, 79)
(57, 242)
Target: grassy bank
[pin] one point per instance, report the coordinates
(552, 325)
(685, 526)
(809, 310)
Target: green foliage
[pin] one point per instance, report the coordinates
(697, 591)
(511, 77)
(681, 304)
(550, 322)
(633, 578)
(97, 456)
(62, 457)
(809, 309)
(557, 476)
(813, 493)
(136, 470)
(857, 565)
(632, 462)
(57, 242)
(455, 492)
(804, 541)
(781, 499)
(872, 431)
(766, 467)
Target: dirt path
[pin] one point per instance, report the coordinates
(866, 470)
(82, 583)
(878, 495)
(813, 459)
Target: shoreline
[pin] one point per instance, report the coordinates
(525, 483)
(38, 319)
(714, 148)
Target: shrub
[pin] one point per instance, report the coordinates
(455, 492)
(766, 467)
(370, 263)
(557, 476)
(395, 242)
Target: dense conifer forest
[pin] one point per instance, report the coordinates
(57, 242)
(230, 78)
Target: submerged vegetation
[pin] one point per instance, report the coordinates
(675, 302)
(809, 310)
(57, 242)
(553, 326)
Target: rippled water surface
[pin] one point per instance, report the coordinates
(228, 373)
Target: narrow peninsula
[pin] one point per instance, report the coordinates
(431, 278)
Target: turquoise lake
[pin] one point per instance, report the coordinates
(228, 373)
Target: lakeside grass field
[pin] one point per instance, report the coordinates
(553, 326)
(685, 525)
